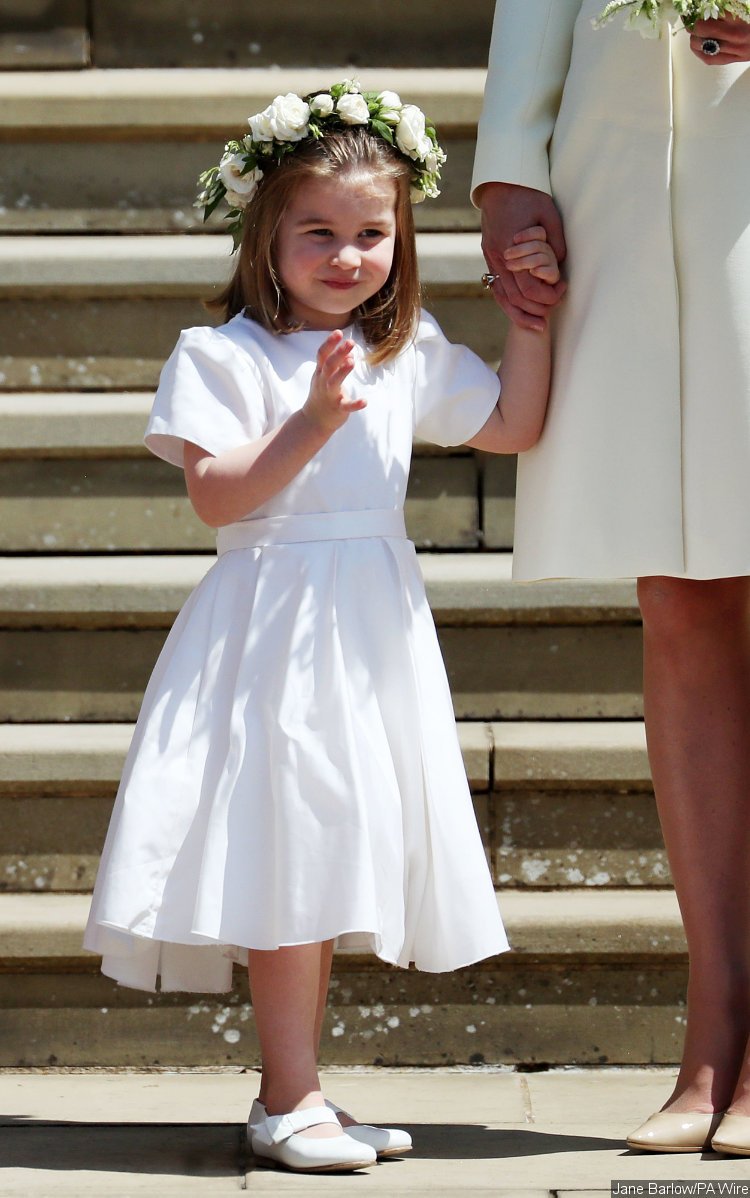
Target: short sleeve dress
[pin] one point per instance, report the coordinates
(295, 773)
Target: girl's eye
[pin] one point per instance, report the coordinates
(320, 232)
(372, 233)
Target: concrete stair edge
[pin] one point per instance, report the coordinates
(524, 753)
(72, 421)
(461, 587)
(571, 923)
(134, 101)
(107, 423)
(166, 264)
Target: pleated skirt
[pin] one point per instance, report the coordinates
(295, 776)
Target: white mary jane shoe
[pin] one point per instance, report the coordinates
(387, 1141)
(276, 1138)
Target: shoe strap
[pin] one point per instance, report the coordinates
(281, 1127)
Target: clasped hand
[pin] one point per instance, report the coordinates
(510, 211)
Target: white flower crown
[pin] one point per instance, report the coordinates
(290, 119)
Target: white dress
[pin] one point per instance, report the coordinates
(295, 773)
(643, 467)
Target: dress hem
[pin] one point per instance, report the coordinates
(371, 942)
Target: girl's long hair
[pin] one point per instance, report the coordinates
(388, 318)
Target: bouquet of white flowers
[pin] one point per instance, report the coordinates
(650, 16)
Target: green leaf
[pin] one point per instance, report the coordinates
(384, 130)
(214, 204)
(236, 229)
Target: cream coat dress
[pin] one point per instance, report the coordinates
(644, 464)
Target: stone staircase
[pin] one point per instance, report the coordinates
(101, 263)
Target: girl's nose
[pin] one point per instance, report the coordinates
(347, 257)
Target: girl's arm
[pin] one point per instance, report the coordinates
(517, 421)
(225, 488)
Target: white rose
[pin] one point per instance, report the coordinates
(424, 148)
(240, 188)
(390, 107)
(286, 119)
(410, 130)
(353, 110)
(260, 126)
(431, 162)
(322, 105)
(235, 200)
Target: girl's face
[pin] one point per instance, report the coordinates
(334, 247)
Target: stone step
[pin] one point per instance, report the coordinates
(40, 761)
(76, 477)
(137, 33)
(103, 313)
(47, 425)
(93, 424)
(122, 104)
(121, 150)
(590, 981)
(558, 805)
(57, 784)
(141, 267)
(79, 637)
(44, 35)
(136, 504)
(464, 590)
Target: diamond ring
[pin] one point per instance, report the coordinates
(488, 280)
(710, 47)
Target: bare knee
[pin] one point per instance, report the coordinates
(683, 607)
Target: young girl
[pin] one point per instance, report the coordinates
(295, 779)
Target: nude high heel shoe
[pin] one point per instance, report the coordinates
(670, 1131)
(733, 1135)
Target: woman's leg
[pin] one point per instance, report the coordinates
(285, 988)
(697, 711)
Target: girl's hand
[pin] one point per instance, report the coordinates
(328, 406)
(733, 36)
(532, 252)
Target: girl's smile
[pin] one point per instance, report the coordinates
(335, 247)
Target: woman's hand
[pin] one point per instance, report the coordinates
(328, 406)
(733, 36)
(506, 208)
(531, 251)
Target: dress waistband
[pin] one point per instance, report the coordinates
(314, 526)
